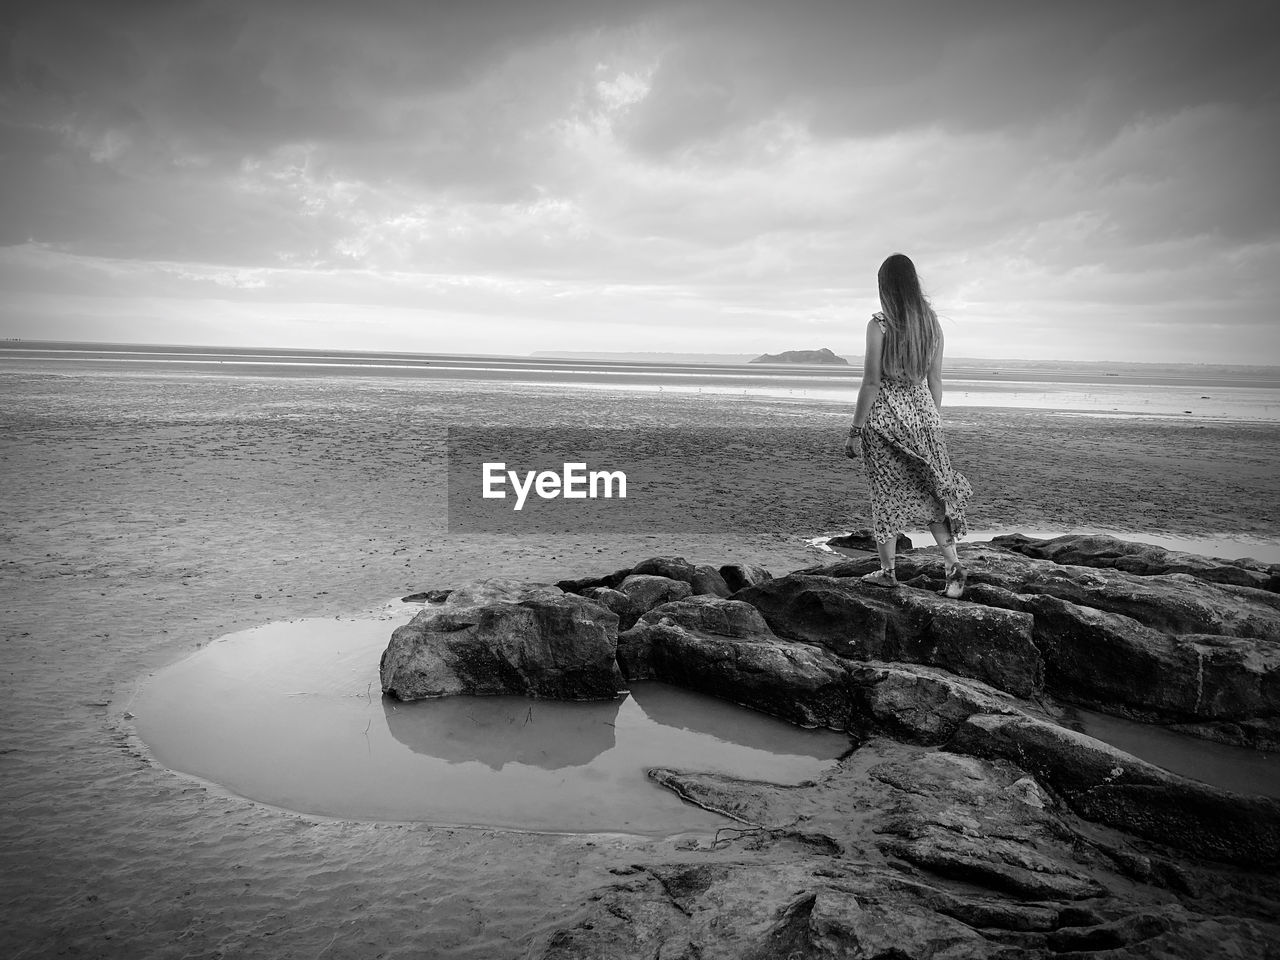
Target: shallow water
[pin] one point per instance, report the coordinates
(1188, 393)
(1233, 768)
(291, 714)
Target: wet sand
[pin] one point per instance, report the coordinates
(146, 516)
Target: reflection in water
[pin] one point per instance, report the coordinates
(290, 714)
(499, 730)
(1240, 769)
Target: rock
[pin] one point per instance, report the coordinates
(1099, 550)
(495, 590)
(706, 579)
(628, 610)
(1110, 786)
(994, 862)
(864, 622)
(865, 539)
(1172, 603)
(906, 852)
(682, 643)
(1028, 791)
(535, 643)
(1120, 642)
(706, 614)
(648, 591)
(610, 580)
(739, 575)
(674, 568)
(1097, 658)
(427, 596)
(918, 704)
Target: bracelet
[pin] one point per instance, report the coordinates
(855, 428)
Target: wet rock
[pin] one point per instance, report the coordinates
(916, 853)
(1110, 786)
(648, 591)
(535, 643)
(863, 622)
(725, 649)
(739, 575)
(628, 610)
(1099, 550)
(706, 580)
(865, 539)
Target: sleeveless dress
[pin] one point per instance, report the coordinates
(908, 468)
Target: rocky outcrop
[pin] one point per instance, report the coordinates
(499, 638)
(908, 852)
(965, 821)
(864, 622)
(1144, 559)
(1171, 603)
(1165, 647)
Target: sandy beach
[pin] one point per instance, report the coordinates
(147, 516)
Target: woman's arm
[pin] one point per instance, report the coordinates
(870, 388)
(934, 376)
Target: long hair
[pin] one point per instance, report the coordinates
(913, 330)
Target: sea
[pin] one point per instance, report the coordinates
(1184, 392)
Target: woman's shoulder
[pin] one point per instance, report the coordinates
(879, 320)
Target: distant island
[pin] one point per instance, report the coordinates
(801, 356)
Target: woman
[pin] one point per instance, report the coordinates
(897, 427)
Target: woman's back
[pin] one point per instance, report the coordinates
(908, 357)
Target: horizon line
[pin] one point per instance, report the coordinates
(553, 353)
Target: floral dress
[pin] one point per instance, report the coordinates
(908, 468)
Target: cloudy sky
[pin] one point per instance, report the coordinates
(1076, 180)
